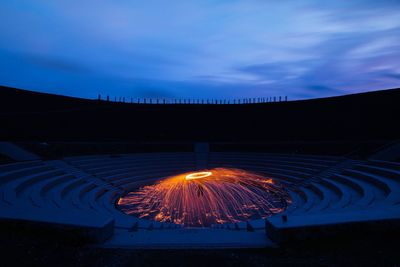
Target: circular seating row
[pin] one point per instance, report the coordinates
(317, 185)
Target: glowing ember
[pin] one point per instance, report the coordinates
(198, 175)
(206, 198)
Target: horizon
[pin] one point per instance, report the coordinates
(201, 49)
(243, 100)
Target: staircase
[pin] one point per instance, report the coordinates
(335, 169)
(67, 168)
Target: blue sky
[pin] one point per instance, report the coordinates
(200, 49)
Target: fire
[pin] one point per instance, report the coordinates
(209, 197)
(198, 175)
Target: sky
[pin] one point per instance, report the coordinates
(200, 48)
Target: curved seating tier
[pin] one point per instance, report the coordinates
(316, 185)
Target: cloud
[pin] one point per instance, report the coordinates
(201, 48)
(56, 63)
(393, 75)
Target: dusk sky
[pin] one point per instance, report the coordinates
(200, 49)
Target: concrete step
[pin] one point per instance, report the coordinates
(189, 238)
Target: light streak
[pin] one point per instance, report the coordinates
(197, 175)
(209, 197)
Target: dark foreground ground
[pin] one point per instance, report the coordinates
(18, 248)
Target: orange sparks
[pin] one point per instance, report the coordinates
(209, 197)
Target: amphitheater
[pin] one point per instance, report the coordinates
(328, 194)
(337, 160)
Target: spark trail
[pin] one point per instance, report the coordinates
(209, 197)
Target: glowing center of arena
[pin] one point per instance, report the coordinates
(205, 198)
(198, 175)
